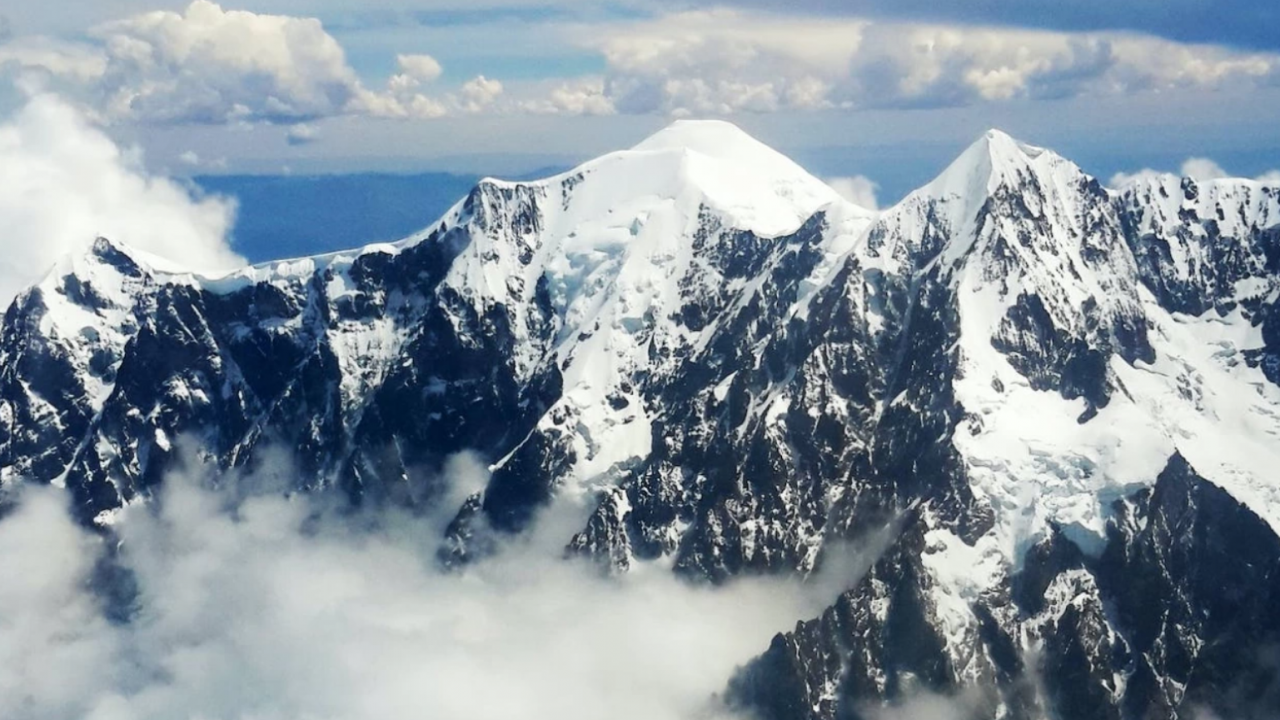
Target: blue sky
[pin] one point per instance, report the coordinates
(890, 90)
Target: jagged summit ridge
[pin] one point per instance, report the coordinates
(997, 160)
(737, 371)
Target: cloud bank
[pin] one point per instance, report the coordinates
(251, 605)
(1197, 168)
(213, 65)
(63, 182)
(208, 64)
(725, 61)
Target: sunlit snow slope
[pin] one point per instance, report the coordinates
(1052, 387)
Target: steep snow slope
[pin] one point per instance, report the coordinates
(583, 272)
(619, 245)
(1076, 375)
(1203, 245)
(1031, 375)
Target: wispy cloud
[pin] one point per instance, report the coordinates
(1196, 168)
(857, 189)
(254, 605)
(302, 134)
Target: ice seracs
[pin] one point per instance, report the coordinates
(737, 370)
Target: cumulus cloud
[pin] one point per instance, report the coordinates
(253, 605)
(192, 159)
(302, 134)
(858, 189)
(479, 93)
(53, 58)
(724, 61)
(1196, 168)
(208, 64)
(421, 68)
(63, 182)
(583, 96)
(1121, 179)
(404, 97)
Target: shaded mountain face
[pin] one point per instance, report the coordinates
(1062, 396)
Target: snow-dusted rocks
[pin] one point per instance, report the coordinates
(1035, 377)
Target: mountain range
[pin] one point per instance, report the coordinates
(1060, 398)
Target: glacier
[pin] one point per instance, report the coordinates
(1064, 394)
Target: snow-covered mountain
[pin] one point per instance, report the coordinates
(1065, 396)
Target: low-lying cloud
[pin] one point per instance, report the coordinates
(1197, 168)
(268, 607)
(64, 182)
(857, 189)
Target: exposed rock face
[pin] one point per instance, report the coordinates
(1065, 395)
(1176, 617)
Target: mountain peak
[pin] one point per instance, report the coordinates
(992, 160)
(702, 162)
(716, 138)
(1001, 146)
(727, 146)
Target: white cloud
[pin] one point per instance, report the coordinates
(211, 65)
(723, 61)
(1196, 168)
(50, 629)
(1122, 179)
(58, 58)
(422, 68)
(282, 610)
(302, 134)
(403, 97)
(584, 96)
(402, 100)
(192, 159)
(63, 183)
(208, 64)
(858, 189)
(479, 93)
(923, 705)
